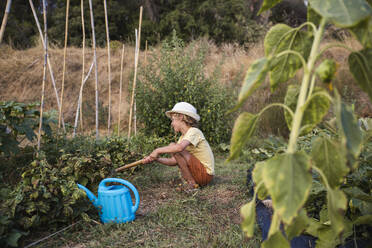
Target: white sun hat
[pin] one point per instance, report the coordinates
(184, 108)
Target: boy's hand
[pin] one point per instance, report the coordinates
(148, 160)
(154, 154)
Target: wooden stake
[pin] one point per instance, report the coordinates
(120, 87)
(44, 76)
(82, 73)
(79, 106)
(49, 65)
(5, 19)
(145, 53)
(95, 63)
(109, 68)
(135, 73)
(64, 64)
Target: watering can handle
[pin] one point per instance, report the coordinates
(126, 183)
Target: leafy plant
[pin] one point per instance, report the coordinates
(178, 75)
(47, 195)
(287, 177)
(18, 120)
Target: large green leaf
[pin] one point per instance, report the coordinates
(364, 207)
(361, 220)
(349, 129)
(257, 178)
(355, 192)
(315, 109)
(299, 224)
(276, 240)
(288, 181)
(268, 4)
(281, 38)
(253, 79)
(243, 129)
(363, 32)
(330, 157)
(13, 238)
(360, 64)
(337, 203)
(343, 13)
(312, 16)
(248, 212)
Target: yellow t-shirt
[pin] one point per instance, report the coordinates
(200, 148)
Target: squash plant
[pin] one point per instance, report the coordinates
(287, 177)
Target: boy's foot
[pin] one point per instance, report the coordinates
(187, 187)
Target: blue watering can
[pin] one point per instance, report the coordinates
(115, 201)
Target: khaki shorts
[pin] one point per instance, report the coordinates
(198, 171)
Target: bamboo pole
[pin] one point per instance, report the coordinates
(120, 87)
(145, 54)
(64, 64)
(95, 63)
(135, 74)
(5, 19)
(79, 106)
(82, 72)
(44, 76)
(109, 68)
(135, 105)
(49, 65)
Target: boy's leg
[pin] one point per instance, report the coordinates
(192, 169)
(184, 168)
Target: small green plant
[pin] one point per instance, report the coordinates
(287, 176)
(47, 195)
(17, 122)
(178, 75)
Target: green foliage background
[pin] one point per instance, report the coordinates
(178, 76)
(221, 21)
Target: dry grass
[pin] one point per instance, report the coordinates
(21, 77)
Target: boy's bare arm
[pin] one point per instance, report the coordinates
(167, 161)
(172, 148)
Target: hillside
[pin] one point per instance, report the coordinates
(21, 77)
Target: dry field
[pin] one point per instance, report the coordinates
(21, 77)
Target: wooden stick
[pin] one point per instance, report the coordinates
(127, 166)
(64, 64)
(120, 87)
(79, 106)
(135, 74)
(145, 53)
(109, 68)
(82, 73)
(5, 19)
(49, 64)
(44, 76)
(95, 63)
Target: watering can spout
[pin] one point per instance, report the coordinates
(90, 195)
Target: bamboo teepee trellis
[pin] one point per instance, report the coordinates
(108, 66)
(138, 42)
(95, 63)
(44, 75)
(120, 86)
(5, 19)
(49, 65)
(64, 64)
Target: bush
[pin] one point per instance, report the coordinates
(178, 75)
(47, 195)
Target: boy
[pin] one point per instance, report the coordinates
(192, 153)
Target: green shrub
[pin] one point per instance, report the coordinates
(178, 75)
(47, 195)
(18, 121)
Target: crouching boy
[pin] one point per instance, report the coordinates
(192, 153)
